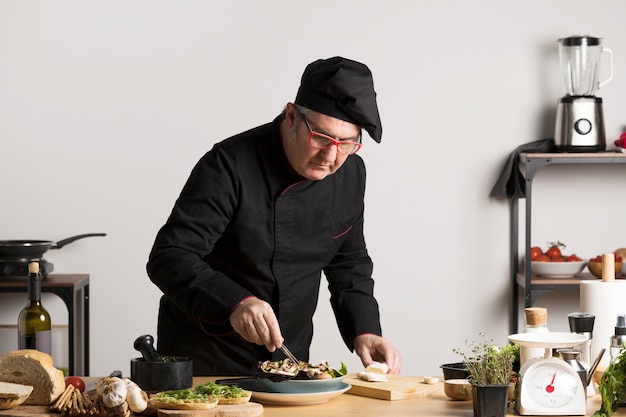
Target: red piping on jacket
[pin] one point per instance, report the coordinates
(343, 233)
(291, 186)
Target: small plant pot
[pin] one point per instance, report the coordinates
(490, 400)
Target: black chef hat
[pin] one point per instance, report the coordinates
(344, 89)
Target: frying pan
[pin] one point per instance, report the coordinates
(34, 249)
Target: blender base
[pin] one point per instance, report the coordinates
(581, 149)
(580, 124)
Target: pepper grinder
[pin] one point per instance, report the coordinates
(619, 338)
(582, 323)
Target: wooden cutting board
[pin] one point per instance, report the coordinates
(396, 388)
(250, 409)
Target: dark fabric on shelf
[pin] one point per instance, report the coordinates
(511, 183)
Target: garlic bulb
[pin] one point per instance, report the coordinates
(137, 398)
(112, 390)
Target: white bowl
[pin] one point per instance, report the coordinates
(557, 269)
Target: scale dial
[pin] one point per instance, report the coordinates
(551, 387)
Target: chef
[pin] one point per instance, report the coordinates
(262, 215)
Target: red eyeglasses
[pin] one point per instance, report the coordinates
(320, 140)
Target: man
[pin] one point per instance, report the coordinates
(261, 216)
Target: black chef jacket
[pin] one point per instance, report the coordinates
(245, 224)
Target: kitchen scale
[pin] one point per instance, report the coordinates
(549, 386)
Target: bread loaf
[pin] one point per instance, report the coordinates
(34, 368)
(12, 395)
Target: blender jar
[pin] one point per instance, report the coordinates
(580, 60)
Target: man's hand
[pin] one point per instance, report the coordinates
(371, 347)
(255, 321)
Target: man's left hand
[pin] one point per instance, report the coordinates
(371, 347)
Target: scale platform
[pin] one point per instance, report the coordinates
(548, 340)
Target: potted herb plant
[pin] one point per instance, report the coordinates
(490, 369)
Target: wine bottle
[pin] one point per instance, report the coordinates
(33, 323)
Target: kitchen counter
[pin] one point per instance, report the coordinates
(349, 405)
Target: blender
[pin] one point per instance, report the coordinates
(579, 117)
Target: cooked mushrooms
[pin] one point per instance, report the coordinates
(301, 370)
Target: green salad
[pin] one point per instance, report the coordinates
(221, 391)
(186, 395)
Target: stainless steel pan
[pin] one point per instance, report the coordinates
(34, 249)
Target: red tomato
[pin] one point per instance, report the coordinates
(77, 382)
(535, 251)
(573, 258)
(558, 259)
(542, 258)
(554, 252)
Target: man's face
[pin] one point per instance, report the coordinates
(308, 161)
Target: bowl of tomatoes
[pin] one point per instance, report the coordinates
(554, 262)
(595, 266)
(555, 269)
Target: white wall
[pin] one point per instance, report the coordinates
(106, 105)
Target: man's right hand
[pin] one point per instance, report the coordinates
(255, 321)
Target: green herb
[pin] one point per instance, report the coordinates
(183, 394)
(221, 391)
(336, 373)
(488, 364)
(612, 386)
(513, 348)
(172, 359)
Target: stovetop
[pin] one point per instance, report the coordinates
(16, 268)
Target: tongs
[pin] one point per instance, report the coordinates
(258, 373)
(288, 353)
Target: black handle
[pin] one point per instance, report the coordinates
(236, 380)
(61, 243)
(144, 344)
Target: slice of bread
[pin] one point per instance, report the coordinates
(34, 368)
(183, 405)
(12, 395)
(235, 400)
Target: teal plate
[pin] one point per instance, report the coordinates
(310, 398)
(290, 386)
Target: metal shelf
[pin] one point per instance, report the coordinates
(530, 164)
(73, 289)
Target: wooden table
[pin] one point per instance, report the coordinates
(348, 405)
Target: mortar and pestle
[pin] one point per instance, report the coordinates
(154, 373)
